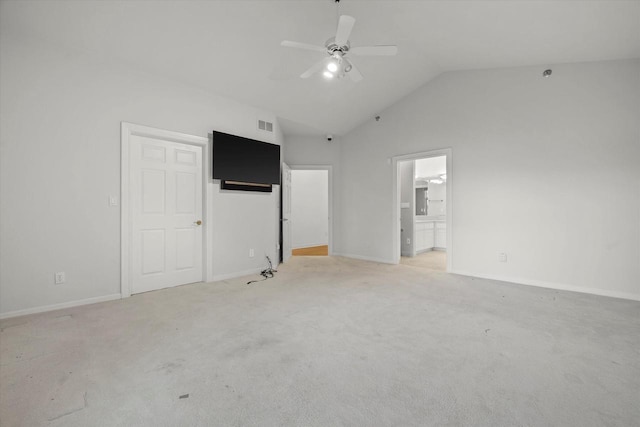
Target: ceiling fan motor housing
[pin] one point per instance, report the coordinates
(338, 52)
(332, 47)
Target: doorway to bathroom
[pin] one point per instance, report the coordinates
(422, 218)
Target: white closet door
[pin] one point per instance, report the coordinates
(166, 203)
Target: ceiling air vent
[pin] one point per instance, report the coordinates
(266, 126)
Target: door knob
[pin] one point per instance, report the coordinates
(198, 222)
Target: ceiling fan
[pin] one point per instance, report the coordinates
(336, 64)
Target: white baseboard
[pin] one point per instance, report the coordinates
(310, 245)
(552, 285)
(527, 282)
(226, 276)
(112, 297)
(60, 306)
(365, 258)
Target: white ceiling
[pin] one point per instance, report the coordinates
(233, 47)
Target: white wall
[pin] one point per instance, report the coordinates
(312, 150)
(60, 114)
(558, 158)
(309, 208)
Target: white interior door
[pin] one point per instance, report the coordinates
(166, 213)
(286, 212)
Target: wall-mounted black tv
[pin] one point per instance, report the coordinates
(245, 164)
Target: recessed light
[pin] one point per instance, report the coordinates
(546, 73)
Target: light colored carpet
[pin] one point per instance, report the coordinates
(328, 342)
(432, 260)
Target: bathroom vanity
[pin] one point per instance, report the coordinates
(430, 233)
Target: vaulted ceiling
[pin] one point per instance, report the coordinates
(232, 48)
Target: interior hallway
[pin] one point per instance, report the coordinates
(329, 341)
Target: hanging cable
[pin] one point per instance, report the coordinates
(267, 273)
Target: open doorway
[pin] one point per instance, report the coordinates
(310, 210)
(422, 220)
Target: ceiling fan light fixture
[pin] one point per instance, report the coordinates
(346, 66)
(328, 74)
(332, 66)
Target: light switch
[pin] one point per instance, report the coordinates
(113, 200)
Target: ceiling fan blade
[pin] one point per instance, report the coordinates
(314, 69)
(297, 45)
(345, 25)
(389, 50)
(354, 74)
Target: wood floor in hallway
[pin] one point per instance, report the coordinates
(312, 250)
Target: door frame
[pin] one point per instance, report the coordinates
(395, 217)
(127, 130)
(413, 208)
(284, 191)
(329, 169)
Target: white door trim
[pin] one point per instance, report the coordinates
(395, 217)
(285, 214)
(329, 170)
(128, 130)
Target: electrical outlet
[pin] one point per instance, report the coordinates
(408, 240)
(60, 277)
(251, 253)
(502, 257)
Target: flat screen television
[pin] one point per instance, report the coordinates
(245, 164)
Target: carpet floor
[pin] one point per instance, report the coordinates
(432, 260)
(329, 341)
